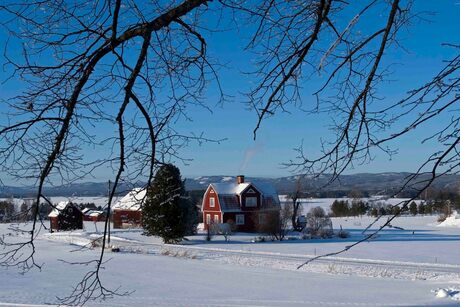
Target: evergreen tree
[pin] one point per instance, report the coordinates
(340, 208)
(421, 208)
(374, 212)
(166, 209)
(413, 208)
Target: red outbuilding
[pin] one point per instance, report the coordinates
(93, 215)
(127, 212)
(65, 216)
(245, 204)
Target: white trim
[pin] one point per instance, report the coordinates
(208, 219)
(218, 218)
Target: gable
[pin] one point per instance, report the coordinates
(211, 200)
(250, 189)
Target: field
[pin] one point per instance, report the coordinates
(414, 266)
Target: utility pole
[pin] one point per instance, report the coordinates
(109, 211)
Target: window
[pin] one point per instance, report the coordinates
(212, 202)
(251, 201)
(262, 219)
(216, 218)
(239, 219)
(208, 219)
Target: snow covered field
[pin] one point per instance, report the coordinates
(397, 268)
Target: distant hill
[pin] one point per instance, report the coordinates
(367, 183)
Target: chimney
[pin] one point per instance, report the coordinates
(239, 179)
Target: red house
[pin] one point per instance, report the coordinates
(243, 203)
(127, 212)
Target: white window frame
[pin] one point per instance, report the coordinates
(252, 205)
(208, 219)
(216, 218)
(239, 219)
(212, 202)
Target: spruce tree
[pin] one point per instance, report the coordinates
(413, 208)
(165, 210)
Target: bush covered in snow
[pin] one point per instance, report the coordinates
(452, 220)
(318, 223)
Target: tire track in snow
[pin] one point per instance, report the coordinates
(333, 265)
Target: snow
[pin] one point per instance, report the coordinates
(452, 293)
(228, 178)
(233, 188)
(58, 208)
(178, 281)
(227, 188)
(399, 267)
(442, 293)
(131, 201)
(451, 221)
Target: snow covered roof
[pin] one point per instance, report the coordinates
(229, 188)
(228, 193)
(233, 188)
(59, 208)
(94, 213)
(131, 201)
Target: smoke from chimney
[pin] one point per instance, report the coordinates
(249, 153)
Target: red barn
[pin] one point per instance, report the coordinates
(127, 212)
(65, 216)
(242, 203)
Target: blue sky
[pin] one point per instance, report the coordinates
(279, 135)
(232, 121)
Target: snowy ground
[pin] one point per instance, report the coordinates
(398, 268)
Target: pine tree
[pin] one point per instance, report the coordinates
(413, 208)
(166, 208)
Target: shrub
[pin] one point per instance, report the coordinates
(208, 233)
(318, 223)
(442, 218)
(232, 224)
(343, 234)
(259, 239)
(274, 223)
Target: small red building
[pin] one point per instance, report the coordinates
(65, 216)
(243, 203)
(127, 212)
(93, 215)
